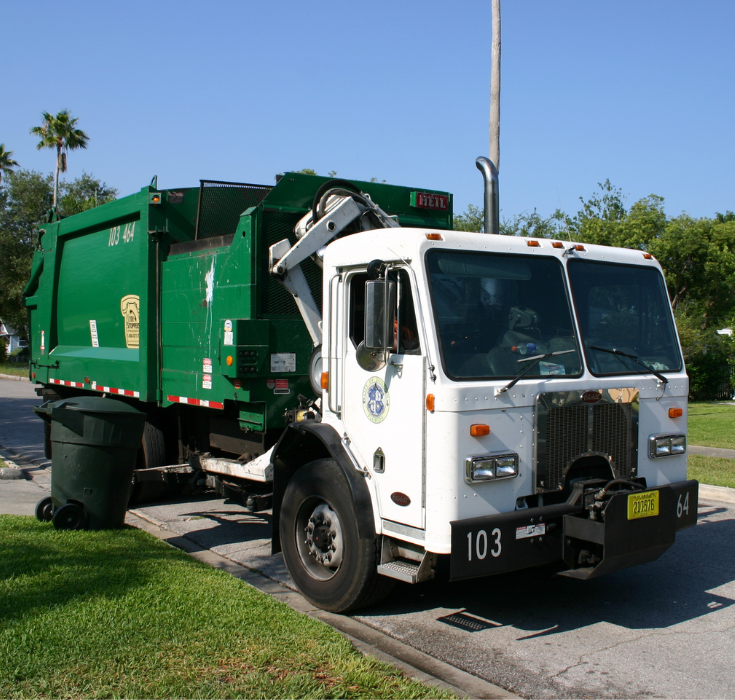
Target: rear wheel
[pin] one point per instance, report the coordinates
(70, 517)
(328, 561)
(152, 453)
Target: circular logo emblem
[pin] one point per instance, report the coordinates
(375, 400)
(591, 396)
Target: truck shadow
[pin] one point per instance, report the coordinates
(676, 588)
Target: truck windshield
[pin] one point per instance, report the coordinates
(623, 308)
(492, 310)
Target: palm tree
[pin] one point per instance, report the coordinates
(6, 162)
(59, 132)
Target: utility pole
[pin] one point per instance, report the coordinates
(495, 87)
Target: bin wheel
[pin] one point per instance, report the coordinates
(70, 517)
(329, 563)
(45, 509)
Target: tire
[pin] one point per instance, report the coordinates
(330, 564)
(70, 517)
(152, 453)
(153, 447)
(45, 510)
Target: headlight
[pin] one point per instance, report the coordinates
(491, 467)
(666, 445)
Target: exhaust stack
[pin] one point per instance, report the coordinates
(492, 206)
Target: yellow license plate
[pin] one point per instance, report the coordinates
(642, 505)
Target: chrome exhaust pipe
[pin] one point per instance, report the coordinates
(492, 206)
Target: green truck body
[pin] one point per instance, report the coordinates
(165, 297)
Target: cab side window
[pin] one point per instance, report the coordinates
(405, 327)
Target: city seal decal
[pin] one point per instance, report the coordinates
(375, 400)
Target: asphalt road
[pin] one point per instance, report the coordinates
(663, 630)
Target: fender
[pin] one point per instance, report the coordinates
(302, 443)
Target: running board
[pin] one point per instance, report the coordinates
(395, 565)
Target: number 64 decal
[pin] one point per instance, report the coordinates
(481, 544)
(682, 507)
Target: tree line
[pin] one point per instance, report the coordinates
(28, 198)
(697, 256)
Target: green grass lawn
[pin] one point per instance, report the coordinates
(715, 471)
(119, 614)
(712, 425)
(14, 368)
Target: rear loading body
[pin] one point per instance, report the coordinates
(404, 393)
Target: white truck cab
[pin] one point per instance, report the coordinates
(501, 401)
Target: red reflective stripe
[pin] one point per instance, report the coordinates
(196, 402)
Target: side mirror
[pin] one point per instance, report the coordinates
(380, 304)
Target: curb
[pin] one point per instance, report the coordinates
(14, 377)
(723, 494)
(412, 662)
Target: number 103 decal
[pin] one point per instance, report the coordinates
(480, 544)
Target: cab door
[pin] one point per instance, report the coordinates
(384, 411)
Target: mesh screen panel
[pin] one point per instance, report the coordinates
(274, 299)
(221, 203)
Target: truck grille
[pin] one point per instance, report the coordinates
(568, 429)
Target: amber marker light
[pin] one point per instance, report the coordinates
(434, 236)
(325, 380)
(557, 244)
(229, 360)
(648, 256)
(479, 429)
(578, 247)
(156, 199)
(533, 244)
(430, 402)
(676, 412)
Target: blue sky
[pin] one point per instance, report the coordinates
(639, 92)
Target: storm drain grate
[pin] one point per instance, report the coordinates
(468, 623)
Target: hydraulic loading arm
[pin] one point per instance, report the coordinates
(341, 209)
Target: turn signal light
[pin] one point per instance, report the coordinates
(325, 380)
(479, 429)
(430, 402)
(676, 412)
(229, 360)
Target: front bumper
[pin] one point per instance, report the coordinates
(506, 542)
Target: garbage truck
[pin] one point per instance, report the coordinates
(405, 397)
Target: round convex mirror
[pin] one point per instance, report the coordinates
(315, 370)
(370, 359)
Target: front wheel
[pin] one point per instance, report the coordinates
(330, 564)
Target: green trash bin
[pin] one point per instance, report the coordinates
(95, 443)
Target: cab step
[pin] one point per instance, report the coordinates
(407, 571)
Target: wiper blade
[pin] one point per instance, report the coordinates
(534, 361)
(614, 351)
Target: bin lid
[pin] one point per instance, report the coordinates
(95, 404)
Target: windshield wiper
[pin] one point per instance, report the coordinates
(614, 351)
(534, 361)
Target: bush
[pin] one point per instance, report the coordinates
(709, 360)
